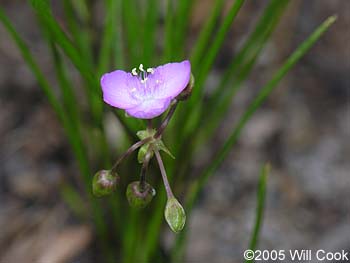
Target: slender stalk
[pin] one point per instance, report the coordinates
(166, 120)
(144, 170)
(169, 193)
(128, 152)
(149, 124)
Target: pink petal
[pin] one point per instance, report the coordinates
(117, 90)
(149, 109)
(171, 79)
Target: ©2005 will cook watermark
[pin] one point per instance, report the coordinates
(304, 255)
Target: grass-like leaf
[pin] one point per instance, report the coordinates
(239, 69)
(181, 23)
(78, 27)
(110, 36)
(149, 33)
(198, 185)
(32, 64)
(44, 14)
(205, 120)
(212, 52)
(168, 31)
(66, 87)
(261, 196)
(132, 24)
(203, 70)
(205, 35)
(261, 97)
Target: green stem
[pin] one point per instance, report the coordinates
(131, 149)
(168, 190)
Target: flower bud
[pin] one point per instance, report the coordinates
(175, 215)
(137, 197)
(186, 93)
(141, 156)
(104, 183)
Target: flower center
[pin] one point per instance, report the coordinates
(143, 74)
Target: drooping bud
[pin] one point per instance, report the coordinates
(175, 215)
(186, 93)
(138, 197)
(104, 183)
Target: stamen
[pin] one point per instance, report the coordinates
(134, 72)
(141, 68)
(144, 80)
(150, 70)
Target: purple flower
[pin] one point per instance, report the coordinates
(145, 94)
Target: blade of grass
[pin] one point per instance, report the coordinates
(29, 59)
(181, 24)
(207, 119)
(206, 65)
(77, 147)
(44, 12)
(154, 228)
(39, 76)
(260, 207)
(93, 91)
(74, 200)
(82, 9)
(118, 56)
(132, 24)
(198, 185)
(109, 36)
(257, 38)
(241, 66)
(70, 102)
(211, 54)
(78, 29)
(205, 35)
(261, 97)
(66, 86)
(255, 41)
(130, 236)
(149, 32)
(169, 29)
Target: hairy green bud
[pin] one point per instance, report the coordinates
(104, 183)
(175, 215)
(156, 144)
(141, 156)
(138, 197)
